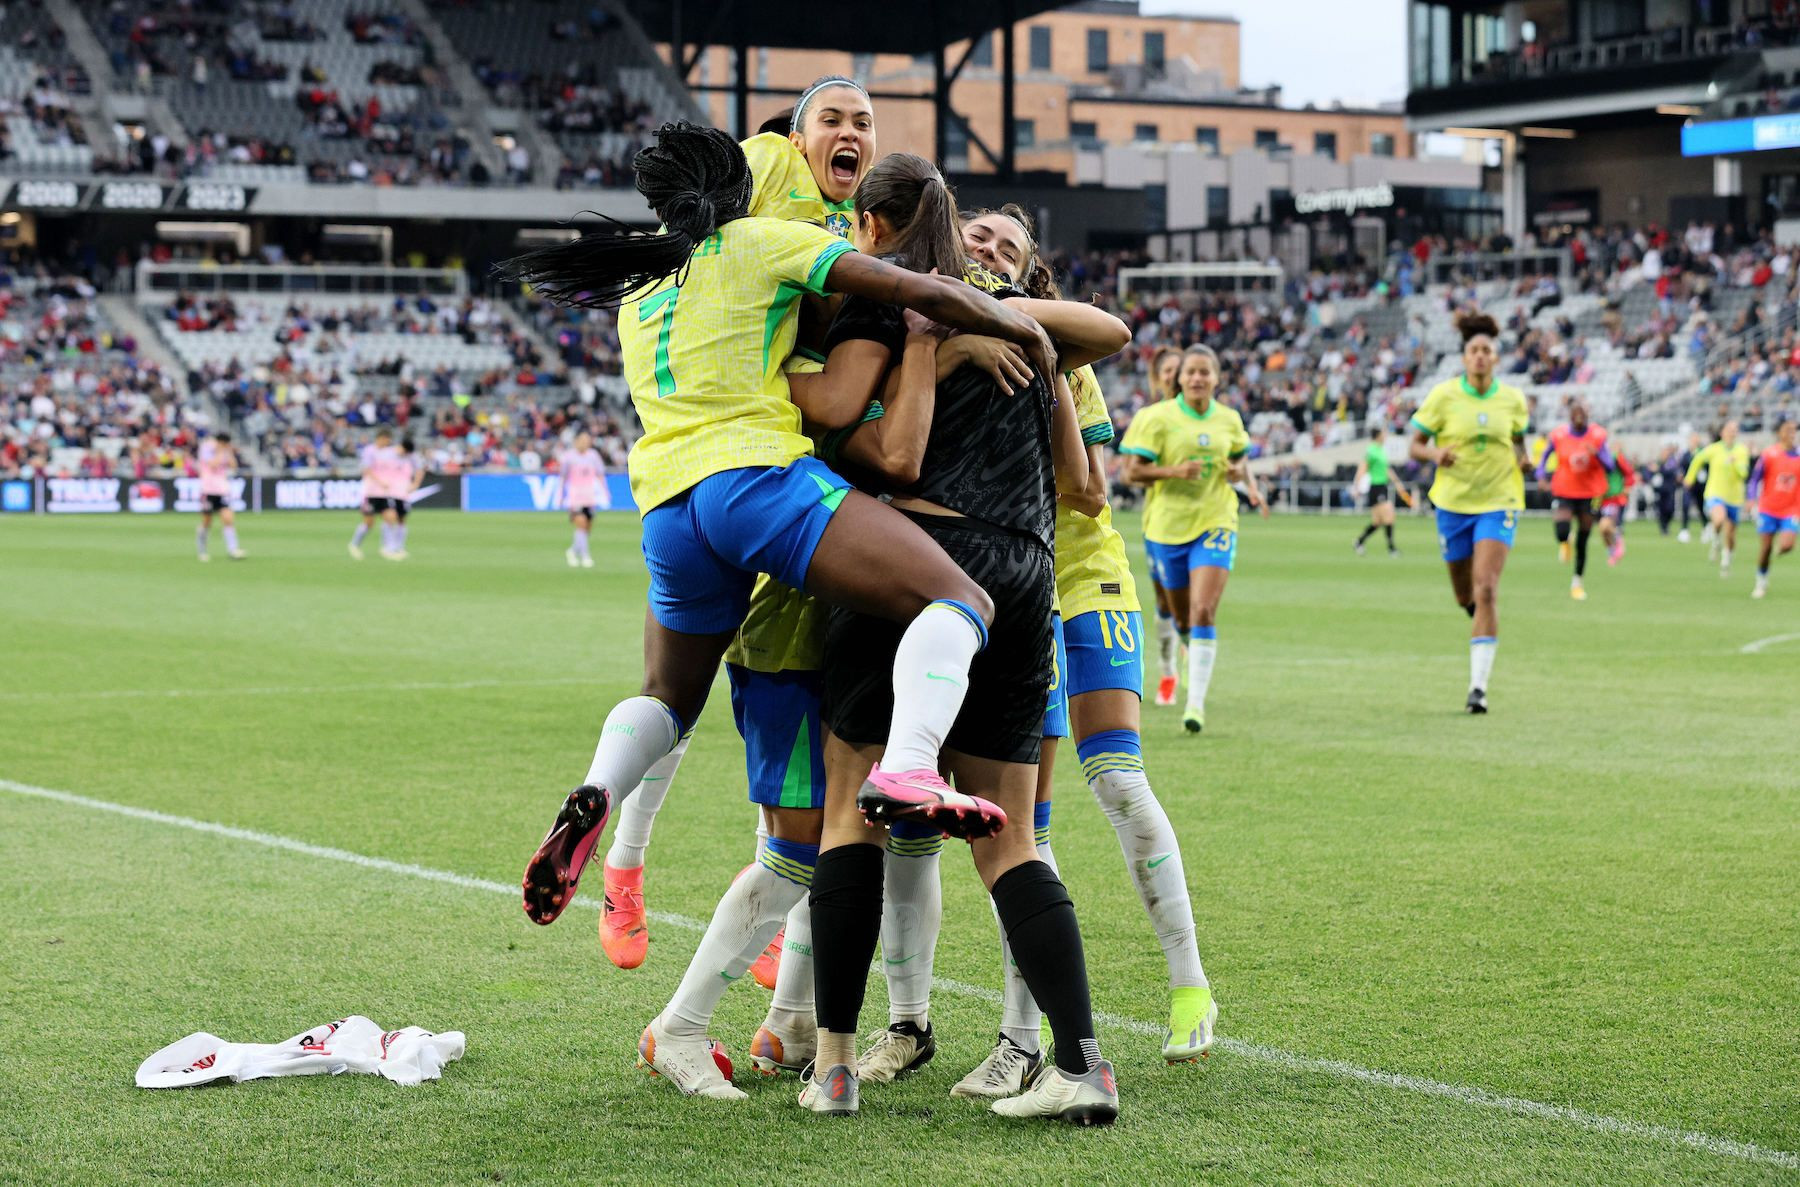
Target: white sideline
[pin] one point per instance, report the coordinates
(283, 690)
(1763, 644)
(1461, 1093)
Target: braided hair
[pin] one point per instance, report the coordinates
(695, 178)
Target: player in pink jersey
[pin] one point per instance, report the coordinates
(217, 463)
(375, 501)
(404, 474)
(1775, 485)
(583, 492)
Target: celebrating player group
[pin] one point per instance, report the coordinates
(871, 485)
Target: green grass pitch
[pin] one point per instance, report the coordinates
(1557, 944)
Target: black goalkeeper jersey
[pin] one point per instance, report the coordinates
(988, 454)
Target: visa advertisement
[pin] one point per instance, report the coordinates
(534, 492)
(150, 496)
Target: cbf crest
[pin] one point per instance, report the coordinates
(1481, 419)
(1206, 438)
(838, 224)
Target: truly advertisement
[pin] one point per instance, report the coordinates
(533, 492)
(78, 496)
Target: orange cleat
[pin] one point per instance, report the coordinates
(764, 967)
(624, 931)
(1165, 691)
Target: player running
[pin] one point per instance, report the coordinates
(1374, 467)
(583, 492)
(1727, 466)
(1165, 370)
(1577, 461)
(728, 488)
(1619, 485)
(1472, 429)
(217, 462)
(1189, 451)
(373, 462)
(1775, 483)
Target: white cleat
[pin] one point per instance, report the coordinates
(1683, 538)
(205, 558)
(587, 562)
(774, 1050)
(1089, 1099)
(692, 1065)
(1761, 591)
(237, 554)
(573, 559)
(833, 1091)
(899, 1049)
(356, 553)
(1003, 1073)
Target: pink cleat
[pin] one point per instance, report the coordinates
(765, 967)
(923, 796)
(624, 931)
(552, 872)
(1617, 552)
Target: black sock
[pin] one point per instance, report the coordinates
(846, 906)
(1581, 543)
(1389, 529)
(1562, 531)
(1367, 532)
(1469, 609)
(1039, 920)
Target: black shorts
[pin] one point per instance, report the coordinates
(587, 512)
(1378, 494)
(1002, 715)
(212, 504)
(401, 508)
(1578, 506)
(376, 505)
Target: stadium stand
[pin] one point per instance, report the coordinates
(40, 130)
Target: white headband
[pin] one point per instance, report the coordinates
(824, 84)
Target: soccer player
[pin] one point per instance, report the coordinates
(217, 463)
(1165, 370)
(1577, 461)
(1374, 467)
(728, 488)
(1619, 485)
(1727, 466)
(811, 173)
(583, 492)
(1776, 485)
(1189, 451)
(373, 462)
(405, 474)
(986, 489)
(1472, 429)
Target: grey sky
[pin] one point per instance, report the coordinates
(1318, 50)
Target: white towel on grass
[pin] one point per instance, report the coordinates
(352, 1044)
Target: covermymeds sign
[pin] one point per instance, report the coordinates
(1760, 134)
(1348, 200)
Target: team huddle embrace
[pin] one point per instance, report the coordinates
(871, 486)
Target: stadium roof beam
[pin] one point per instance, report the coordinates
(865, 27)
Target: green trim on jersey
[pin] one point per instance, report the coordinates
(1470, 388)
(1189, 408)
(1098, 434)
(815, 278)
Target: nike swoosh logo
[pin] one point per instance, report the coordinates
(902, 960)
(945, 679)
(653, 779)
(1119, 663)
(797, 196)
(1156, 861)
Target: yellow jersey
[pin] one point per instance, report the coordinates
(783, 186)
(1727, 471)
(1481, 428)
(1169, 433)
(704, 358)
(784, 630)
(1093, 571)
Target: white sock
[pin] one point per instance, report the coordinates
(1203, 649)
(762, 834)
(1168, 644)
(1153, 856)
(793, 1001)
(400, 537)
(744, 922)
(1724, 558)
(1481, 661)
(200, 540)
(230, 534)
(912, 909)
(362, 533)
(638, 812)
(931, 674)
(387, 537)
(639, 731)
(1020, 1018)
(581, 542)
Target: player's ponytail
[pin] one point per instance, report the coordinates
(909, 193)
(695, 179)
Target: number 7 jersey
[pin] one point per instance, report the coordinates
(703, 358)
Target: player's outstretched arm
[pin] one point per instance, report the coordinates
(1084, 333)
(944, 300)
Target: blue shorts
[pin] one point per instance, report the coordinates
(1770, 525)
(705, 546)
(1215, 548)
(1106, 651)
(1457, 533)
(1056, 713)
(1731, 509)
(778, 715)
